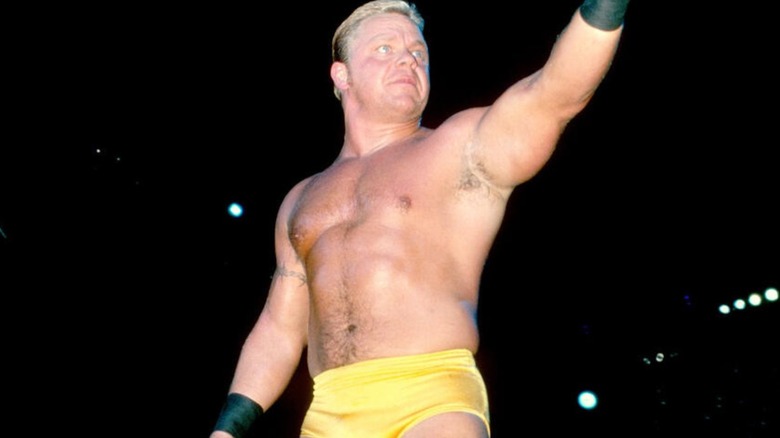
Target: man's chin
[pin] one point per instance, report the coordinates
(409, 105)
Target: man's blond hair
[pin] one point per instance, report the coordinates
(346, 30)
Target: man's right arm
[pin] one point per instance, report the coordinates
(520, 130)
(272, 351)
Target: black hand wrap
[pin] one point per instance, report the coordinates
(604, 14)
(237, 415)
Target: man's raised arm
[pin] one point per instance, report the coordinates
(518, 133)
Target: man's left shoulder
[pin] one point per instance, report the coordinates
(459, 125)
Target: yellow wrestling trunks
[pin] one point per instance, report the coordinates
(383, 398)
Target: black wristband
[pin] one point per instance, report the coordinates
(237, 415)
(604, 14)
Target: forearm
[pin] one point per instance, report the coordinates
(578, 63)
(268, 360)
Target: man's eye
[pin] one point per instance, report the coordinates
(419, 54)
(383, 49)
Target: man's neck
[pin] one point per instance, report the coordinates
(366, 137)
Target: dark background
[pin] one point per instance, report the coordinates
(128, 288)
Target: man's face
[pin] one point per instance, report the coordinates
(388, 65)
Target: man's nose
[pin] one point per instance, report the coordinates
(407, 57)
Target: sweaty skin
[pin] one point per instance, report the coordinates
(392, 239)
(380, 255)
(393, 243)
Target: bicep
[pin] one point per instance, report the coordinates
(286, 311)
(518, 133)
(287, 305)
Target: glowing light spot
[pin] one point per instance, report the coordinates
(587, 400)
(755, 299)
(771, 294)
(739, 304)
(235, 209)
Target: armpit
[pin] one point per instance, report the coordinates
(475, 178)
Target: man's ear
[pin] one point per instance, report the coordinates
(340, 75)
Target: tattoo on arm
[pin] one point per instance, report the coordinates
(281, 271)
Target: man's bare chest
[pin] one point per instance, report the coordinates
(346, 197)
